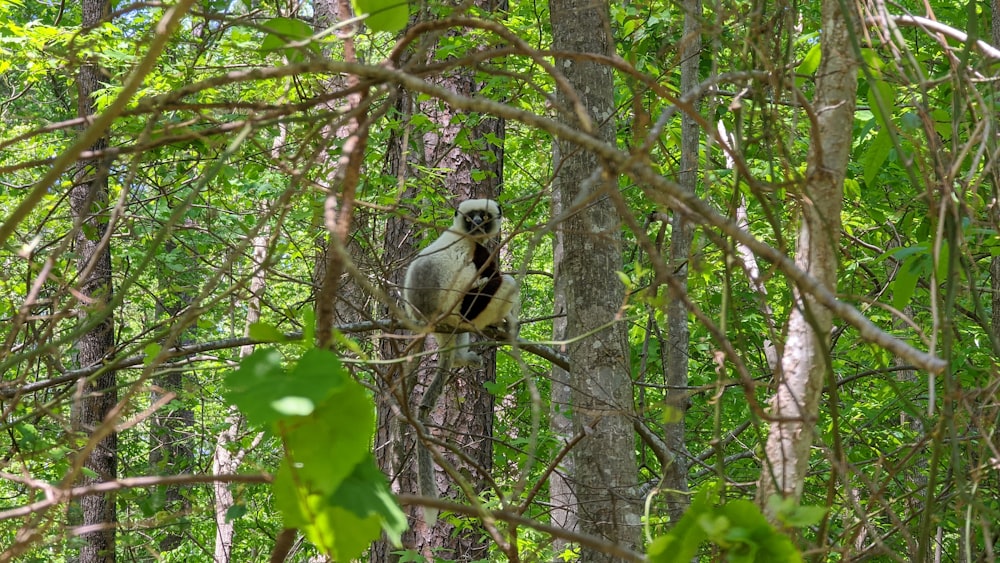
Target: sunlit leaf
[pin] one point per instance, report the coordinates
(383, 15)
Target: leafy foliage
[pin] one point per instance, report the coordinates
(237, 134)
(341, 502)
(737, 529)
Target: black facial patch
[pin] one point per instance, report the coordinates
(479, 222)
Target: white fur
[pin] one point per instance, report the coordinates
(440, 276)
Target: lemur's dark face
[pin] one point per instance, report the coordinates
(480, 221)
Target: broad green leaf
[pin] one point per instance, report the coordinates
(810, 62)
(905, 281)
(881, 100)
(324, 447)
(383, 15)
(263, 332)
(682, 541)
(366, 493)
(904, 252)
(328, 485)
(236, 511)
(875, 156)
(262, 389)
(760, 541)
(803, 516)
(151, 351)
(873, 61)
(284, 31)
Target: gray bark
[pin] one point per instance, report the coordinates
(170, 448)
(805, 360)
(604, 477)
(678, 334)
(89, 203)
(464, 413)
(561, 494)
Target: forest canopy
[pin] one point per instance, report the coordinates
(757, 247)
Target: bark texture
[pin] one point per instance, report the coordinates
(995, 262)
(228, 457)
(561, 495)
(170, 448)
(89, 203)
(805, 360)
(463, 417)
(605, 467)
(678, 333)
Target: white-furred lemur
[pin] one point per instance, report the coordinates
(455, 285)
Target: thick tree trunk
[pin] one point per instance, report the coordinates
(605, 468)
(464, 414)
(805, 361)
(561, 495)
(89, 202)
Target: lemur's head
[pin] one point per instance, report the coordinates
(478, 218)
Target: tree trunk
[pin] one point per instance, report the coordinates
(561, 495)
(226, 461)
(605, 468)
(89, 202)
(464, 414)
(806, 356)
(995, 262)
(678, 334)
(170, 448)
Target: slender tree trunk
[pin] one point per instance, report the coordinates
(89, 202)
(395, 443)
(226, 461)
(171, 451)
(605, 476)
(805, 360)
(995, 262)
(678, 335)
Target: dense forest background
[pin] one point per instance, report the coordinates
(757, 244)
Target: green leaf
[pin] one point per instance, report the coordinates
(266, 394)
(309, 328)
(681, 543)
(151, 351)
(366, 492)
(810, 62)
(324, 447)
(283, 31)
(263, 332)
(906, 281)
(494, 388)
(235, 511)
(328, 485)
(803, 516)
(881, 100)
(873, 158)
(383, 15)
